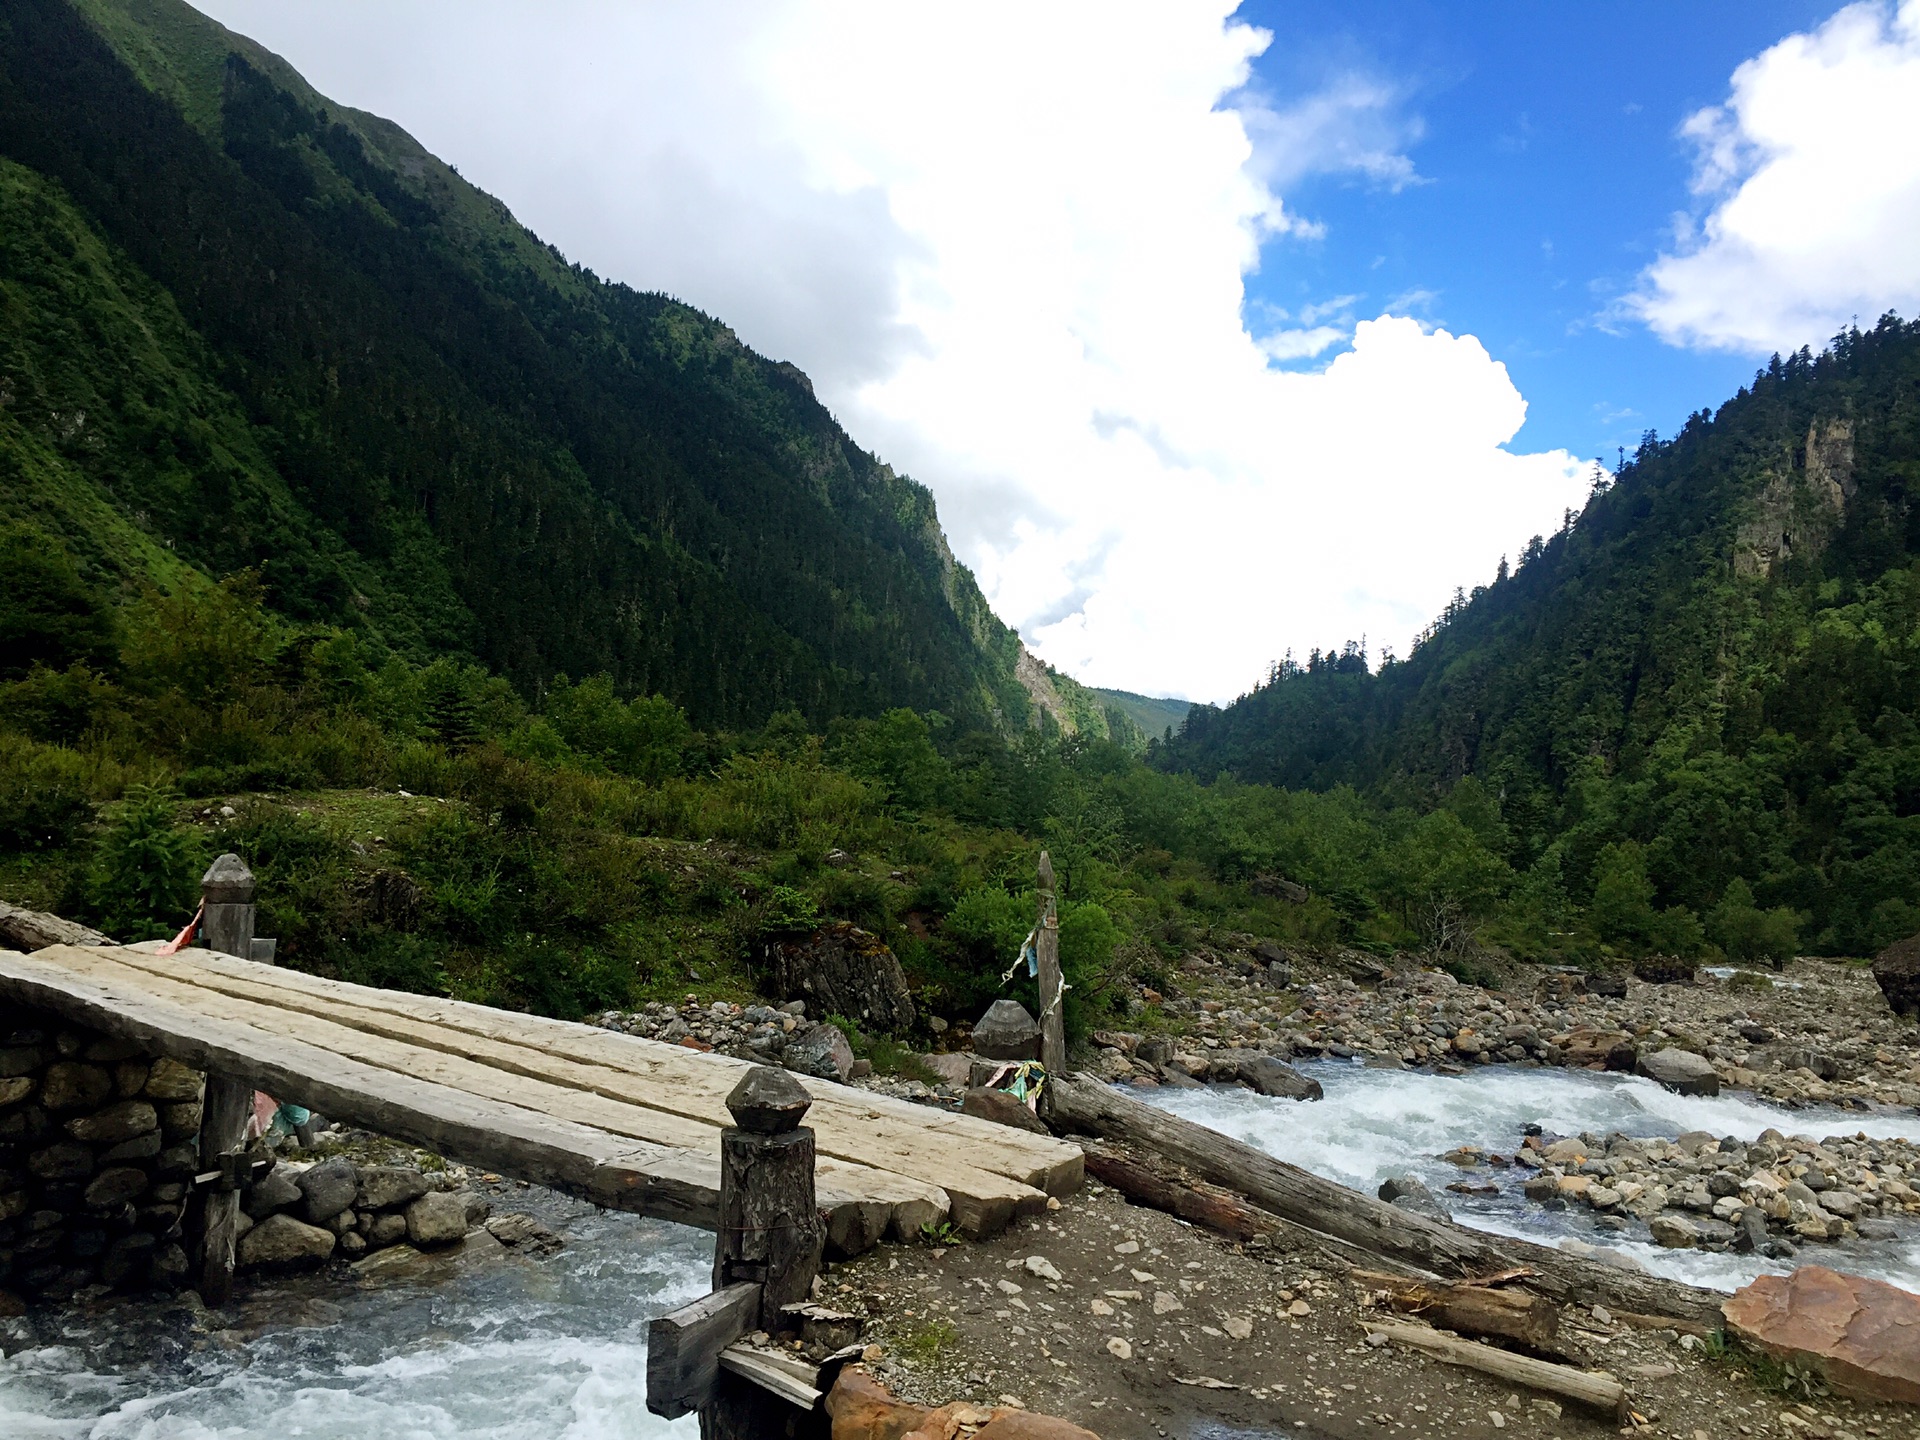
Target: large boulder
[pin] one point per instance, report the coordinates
(1863, 1336)
(1680, 1070)
(1007, 1032)
(822, 1052)
(840, 969)
(1001, 1108)
(1270, 1077)
(1897, 968)
(281, 1242)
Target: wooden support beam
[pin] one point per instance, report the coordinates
(227, 926)
(683, 1347)
(1053, 986)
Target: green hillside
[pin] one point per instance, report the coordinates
(1707, 678)
(250, 329)
(1150, 714)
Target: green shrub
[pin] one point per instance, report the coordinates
(146, 869)
(45, 800)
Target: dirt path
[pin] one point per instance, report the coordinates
(1149, 1315)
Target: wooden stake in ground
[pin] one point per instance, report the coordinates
(227, 892)
(1046, 945)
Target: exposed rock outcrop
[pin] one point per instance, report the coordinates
(841, 969)
(1897, 969)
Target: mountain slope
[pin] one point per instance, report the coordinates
(251, 328)
(1715, 661)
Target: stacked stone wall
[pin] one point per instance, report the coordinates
(98, 1147)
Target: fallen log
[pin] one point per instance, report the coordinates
(1472, 1309)
(1593, 1388)
(1443, 1247)
(1209, 1206)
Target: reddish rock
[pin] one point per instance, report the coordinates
(1862, 1335)
(861, 1408)
(1009, 1424)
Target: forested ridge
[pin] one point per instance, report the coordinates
(249, 329)
(1703, 685)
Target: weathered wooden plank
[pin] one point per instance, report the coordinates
(770, 1374)
(847, 1187)
(612, 1170)
(683, 1347)
(683, 1081)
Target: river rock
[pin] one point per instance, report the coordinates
(273, 1191)
(822, 1052)
(116, 1123)
(1680, 1070)
(863, 1409)
(436, 1218)
(382, 1187)
(327, 1189)
(841, 969)
(1007, 1032)
(1270, 1077)
(1862, 1335)
(1897, 969)
(1608, 984)
(1674, 1232)
(1407, 1192)
(281, 1242)
(1001, 1108)
(383, 1230)
(70, 1085)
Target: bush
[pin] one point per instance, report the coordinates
(146, 868)
(44, 799)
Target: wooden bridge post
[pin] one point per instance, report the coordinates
(1046, 946)
(227, 890)
(770, 1232)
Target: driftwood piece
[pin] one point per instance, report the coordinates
(1593, 1388)
(683, 1347)
(1216, 1209)
(1472, 1309)
(1371, 1225)
(789, 1377)
(29, 930)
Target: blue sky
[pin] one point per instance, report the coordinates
(1549, 170)
(1216, 333)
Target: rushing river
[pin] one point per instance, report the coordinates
(495, 1348)
(504, 1348)
(1375, 1123)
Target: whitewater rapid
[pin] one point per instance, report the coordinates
(503, 1348)
(1375, 1123)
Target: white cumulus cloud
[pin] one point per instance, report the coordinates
(1810, 178)
(1009, 242)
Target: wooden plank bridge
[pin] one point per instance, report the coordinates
(627, 1123)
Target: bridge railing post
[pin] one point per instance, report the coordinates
(767, 1248)
(227, 926)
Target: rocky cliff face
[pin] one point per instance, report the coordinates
(1800, 506)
